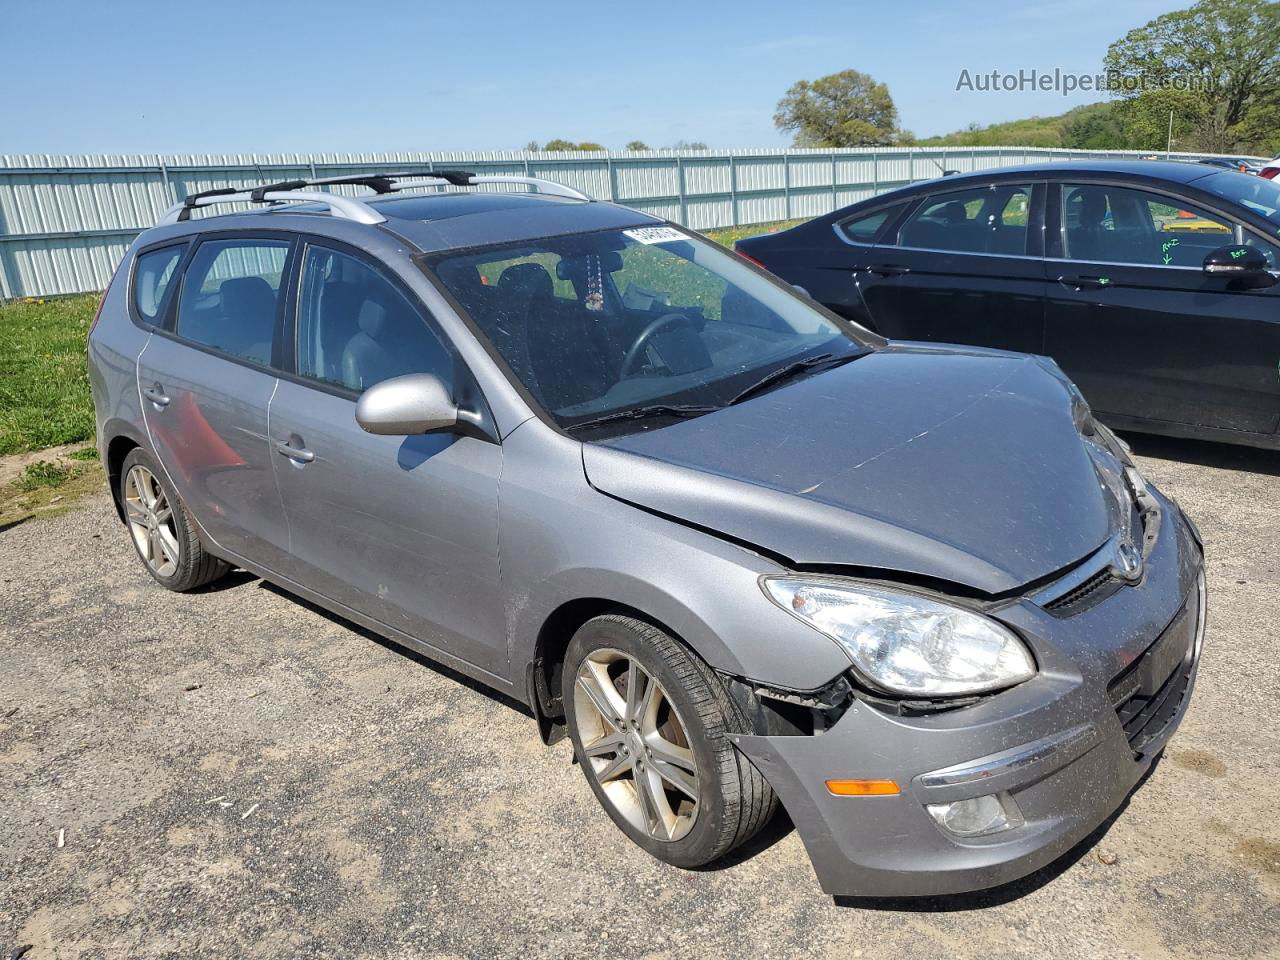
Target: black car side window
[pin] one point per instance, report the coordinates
(987, 219)
(230, 294)
(1107, 224)
(864, 228)
(355, 327)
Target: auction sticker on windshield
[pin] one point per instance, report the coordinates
(655, 234)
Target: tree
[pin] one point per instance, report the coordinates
(637, 145)
(532, 146)
(562, 144)
(688, 145)
(1216, 66)
(846, 109)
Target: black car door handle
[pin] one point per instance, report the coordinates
(1085, 283)
(889, 269)
(300, 454)
(156, 395)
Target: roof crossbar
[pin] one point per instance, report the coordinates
(351, 208)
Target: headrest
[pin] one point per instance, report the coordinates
(570, 268)
(952, 212)
(526, 280)
(1093, 207)
(372, 318)
(246, 295)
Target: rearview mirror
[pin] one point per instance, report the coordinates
(403, 406)
(1240, 262)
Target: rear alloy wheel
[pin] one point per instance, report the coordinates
(161, 529)
(151, 521)
(650, 724)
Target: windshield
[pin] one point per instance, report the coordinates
(1259, 194)
(619, 320)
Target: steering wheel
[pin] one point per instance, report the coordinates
(636, 350)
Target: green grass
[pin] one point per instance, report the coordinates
(43, 473)
(44, 382)
(728, 236)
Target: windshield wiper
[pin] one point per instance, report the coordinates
(792, 369)
(643, 413)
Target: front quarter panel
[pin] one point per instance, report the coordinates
(564, 541)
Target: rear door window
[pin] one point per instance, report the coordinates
(230, 296)
(152, 276)
(987, 219)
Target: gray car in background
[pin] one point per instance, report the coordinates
(744, 552)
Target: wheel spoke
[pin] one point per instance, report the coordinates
(168, 544)
(615, 768)
(682, 780)
(590, 684)
(162, 511)
(135, 511)
(636, 682)
(654, 803)
(609, 743)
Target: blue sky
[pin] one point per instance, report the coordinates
(125, 76)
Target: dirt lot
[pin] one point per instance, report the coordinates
(236, 774)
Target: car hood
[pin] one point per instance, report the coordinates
(953, 464)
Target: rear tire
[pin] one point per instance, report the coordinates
(161, 530)
(647, 753)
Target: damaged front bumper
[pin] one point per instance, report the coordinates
(1059, 754)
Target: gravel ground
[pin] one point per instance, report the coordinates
(235, 773)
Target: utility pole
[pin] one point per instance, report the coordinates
(1168, 153)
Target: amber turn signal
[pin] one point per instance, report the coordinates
(863, 788)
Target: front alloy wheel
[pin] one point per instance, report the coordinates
(651, 725)
(636, 744)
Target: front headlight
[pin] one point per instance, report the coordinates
(904, 643)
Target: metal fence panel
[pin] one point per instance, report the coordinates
(65, 221)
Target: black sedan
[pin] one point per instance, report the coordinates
(1152, 284)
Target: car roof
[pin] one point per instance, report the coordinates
(1177, 171)
(436, 222)
(429, 222)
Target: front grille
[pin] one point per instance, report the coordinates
(1148, 694)
(1085, 595)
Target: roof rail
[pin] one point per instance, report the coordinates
(351, 208)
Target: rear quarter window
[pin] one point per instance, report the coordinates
(153, 273)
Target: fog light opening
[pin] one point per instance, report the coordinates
(977, 816)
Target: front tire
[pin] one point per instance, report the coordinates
(650, 724)
(161, 529)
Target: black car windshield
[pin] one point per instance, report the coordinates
(648, 320)
(1258, 194)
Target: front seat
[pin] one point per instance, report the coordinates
(523, 289)
(248, 318)
(375, 353)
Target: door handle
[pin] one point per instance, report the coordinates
(1085, 283)
(156, 395)
(300, 454)
(889, 269)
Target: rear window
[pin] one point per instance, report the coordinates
(987, 219)
(152, 274)
(229, 299)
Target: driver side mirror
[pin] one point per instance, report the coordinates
(1237, 261)
(403, 406)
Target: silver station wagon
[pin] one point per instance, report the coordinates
(743, 552)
